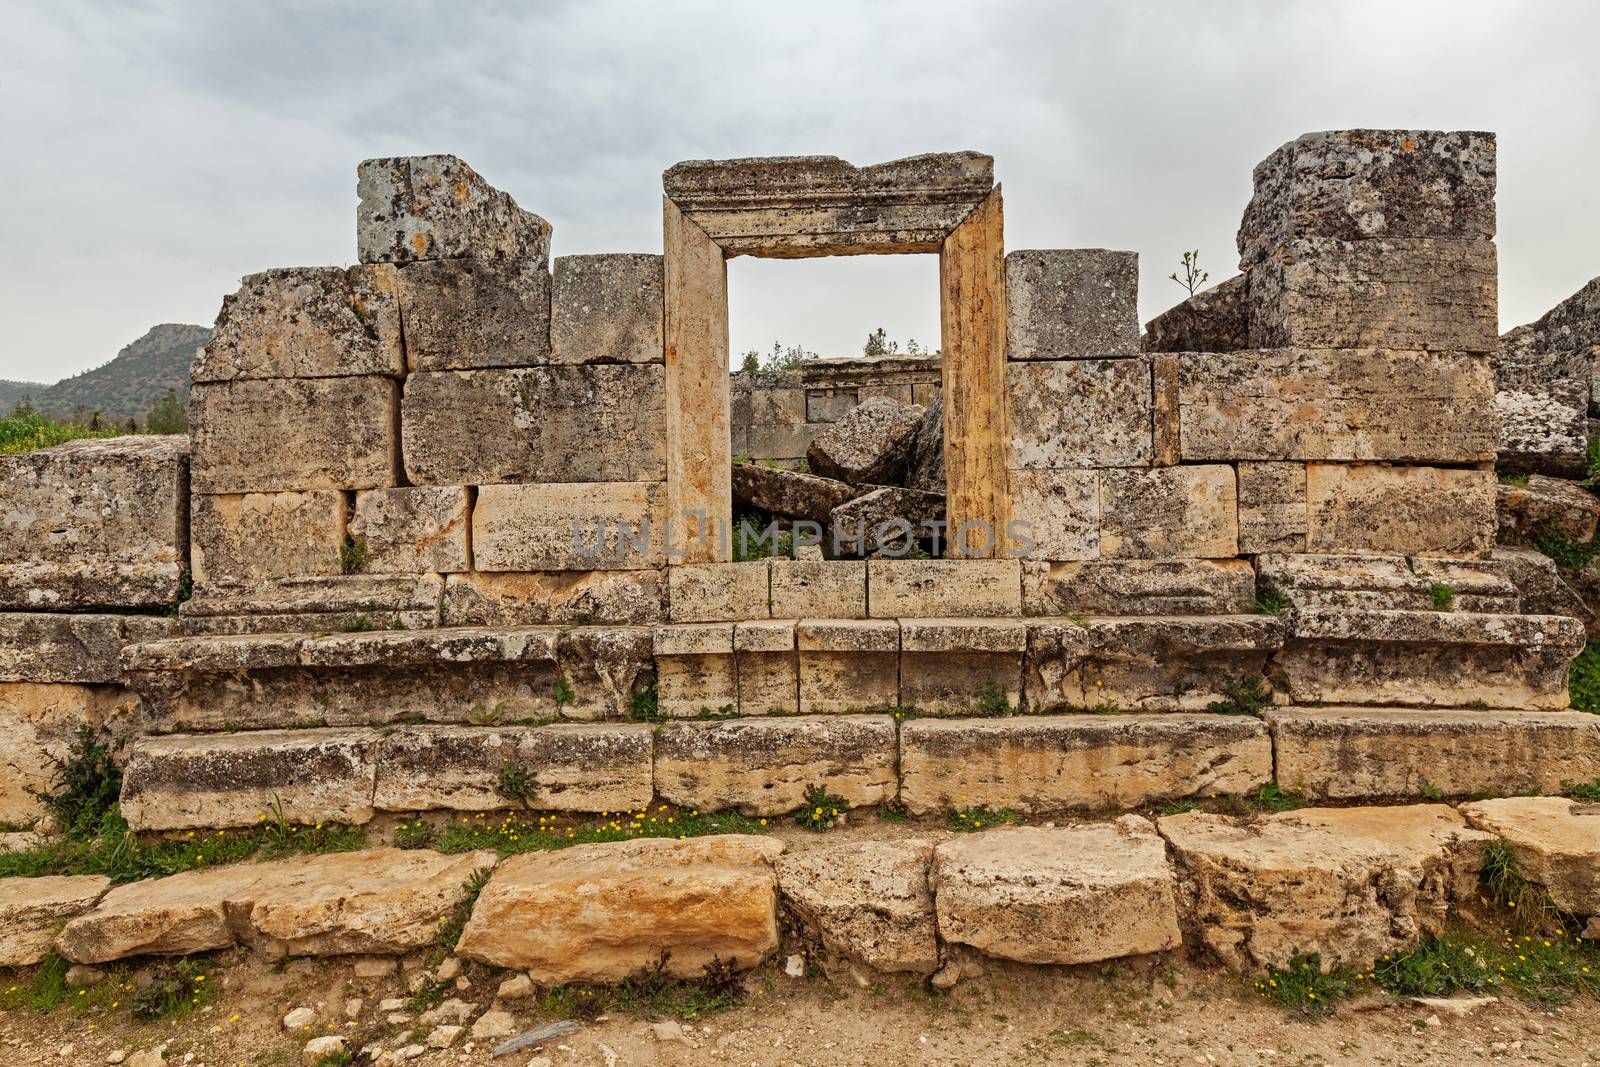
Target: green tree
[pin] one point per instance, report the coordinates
(878, 344)
(166, 415)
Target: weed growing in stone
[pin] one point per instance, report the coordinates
(512, 834)
(352, 555)
(564, 693)
(516, 784)
(1267, 798)
(822, 809)
(992, 701)
(646, 706)
(652, 993)
(451, 924)
(1303, 986)
(1443, 596)
(971, 820)
(1269, 601)
(1247, 696)
(176, 987)
(1585, 791)
(418, 833)
(1527, 904)
(86, 784)
(1553, 542)
(1583, 679)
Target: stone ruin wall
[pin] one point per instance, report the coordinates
(387, 461)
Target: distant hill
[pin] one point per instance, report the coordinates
(125, 387)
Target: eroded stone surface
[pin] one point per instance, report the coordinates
(1435, 511)
(870, 445)
(1184, 512)
(1556, 842)
(607, 309)
(81, 649)
(38, 722)
(933, 588)
(1272, 507)
(1080, 413)
(887, 521)
(716, 592)
(1384, 583)
(794, 494)
(267, 535)
(1544, 505)
(1137, 587)
(621, 597)
(1213, 320)
(411, 530)
(437, 207)
(32, 908)
(1055, 514)
(866, 901)
(569, 526)
(1071, 303)
(819, 589)
(461, 314)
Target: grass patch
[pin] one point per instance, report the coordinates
(992, 701)
(1303, 987)
(1267, 799)
(1247, 696)
(513, 834)
(1549, 539)
(652, 993)
(1443, 596)
(1527, 905)
(1583, 679)
(176, 988)
(1585, 791)
(971, 820)
(418, 833)
(646, 705)
(353, 555)
(26, 433)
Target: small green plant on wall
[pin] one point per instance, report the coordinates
(823, 810)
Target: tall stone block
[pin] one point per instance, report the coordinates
(608, 309)
(536, 424)
(569, 526)
(1272, 507)
(1058, 512)
(1425, 511)
(463, 314)
(267, 535)
(291, 435)
(414, 530)
(437, 207)
(1078, 414)
(306, 322)
(1071, 303)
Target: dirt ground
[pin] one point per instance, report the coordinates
(1149, 1012)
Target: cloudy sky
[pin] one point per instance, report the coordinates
(155, 152)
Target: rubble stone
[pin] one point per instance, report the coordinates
(870, 445)
(607, 309)
(1071, 303)
(887, 521)
(465, 314)
(867, 901)
(1556, 842)
(1183, 512)
(1431, 511)
(437, 207)
(267, 535)
(411, 530)
(574, 526)
(794, 494)
(1080, 413)
(31, 910)
(1213, 320)
(925, 471)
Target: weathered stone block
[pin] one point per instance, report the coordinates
(718, 592)
(437, 207)
(1356, 184)
(600, 913)
(848, 665)
(1344, 582)
(794, 494)
(462, 314)
(1546, 504)
(573, 526)
(1272, 507)
(1363, 404)
(306, 322)
(764, 765)
(1556, 842)
(929, 588)
(537, 424)
(1177, 512)
(1055, 515)
(59, 648)
(1043, 763)
(1073, 895)
(871, 445)
(32, 909)
(94, 523)
(1082, 413)
(621, 597)
(1071, 303)
(867, 901)
(1421, 293)
(1348, 883)
(695, 669)
(457, 646)
(925, 471)
(38, 722)
(376, 594)
(819, 589)
(952, 666)
(1347, 753)
(607, 309)
(572, 767)
(1429, 511)
(1138, 587)
(888, 521)
(1213, 320)
(769, 668)
(412, 530)
(267, 535)
(293, 435)
(1545, 429)
(607, 667)
(187, 782)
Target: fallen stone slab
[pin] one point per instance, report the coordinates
(865, 901)
(1044, 763)
(437, 207)
(871, 445)
(887, 521)
(1072, 895)
(599, 913)
(792, 494)
(1348, 883)
(377, 902)
(1546, 505)
(33, 909)
(1556, 842)
(764, 765)
(1349, 753)
(925, 469)
(219, 780)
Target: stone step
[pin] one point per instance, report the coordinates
(1418, 583)
(1355, 752)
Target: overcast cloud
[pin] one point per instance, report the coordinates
(155, 152)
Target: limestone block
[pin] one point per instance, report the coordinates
(870, 445)
(888, 521)
(1541, 590)
(1138, 587)
(94, 523)
(1556, 842)
(794, 494)
(1348, 883)
(37, 724)
(412, 530)
(848, 665)
(1425, 511)
(437, 207)
(607, 309)
(1360, 404)
(1546, 505)
(183, 782)
(463, 314)
(306, 322)
(536, 424)
(245, 536)
(716, 592)
(1055, 515)
(1272, 507)
(375, 594)
(954, 666)
(607, 667)
(794, 206)
(1073, 895)
(1356, 184)
(569, 526)
(572, 767)
(764, 765)
(59, 648)
(1044, 763)
(216, 653)
(176, 915)
(695, 669)
(32, 909)
(621, 597)
(1071, 303)
(1340, 582)
(866, 901)
(603, 912)
(1169, 512)
(1347, 753)
(294, 435)
(819, 589)
(456, 646)
(1546, 429)
(1418, 293)
(1077, 414)
(768, 667)
(930, 588)
(1213, 320)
